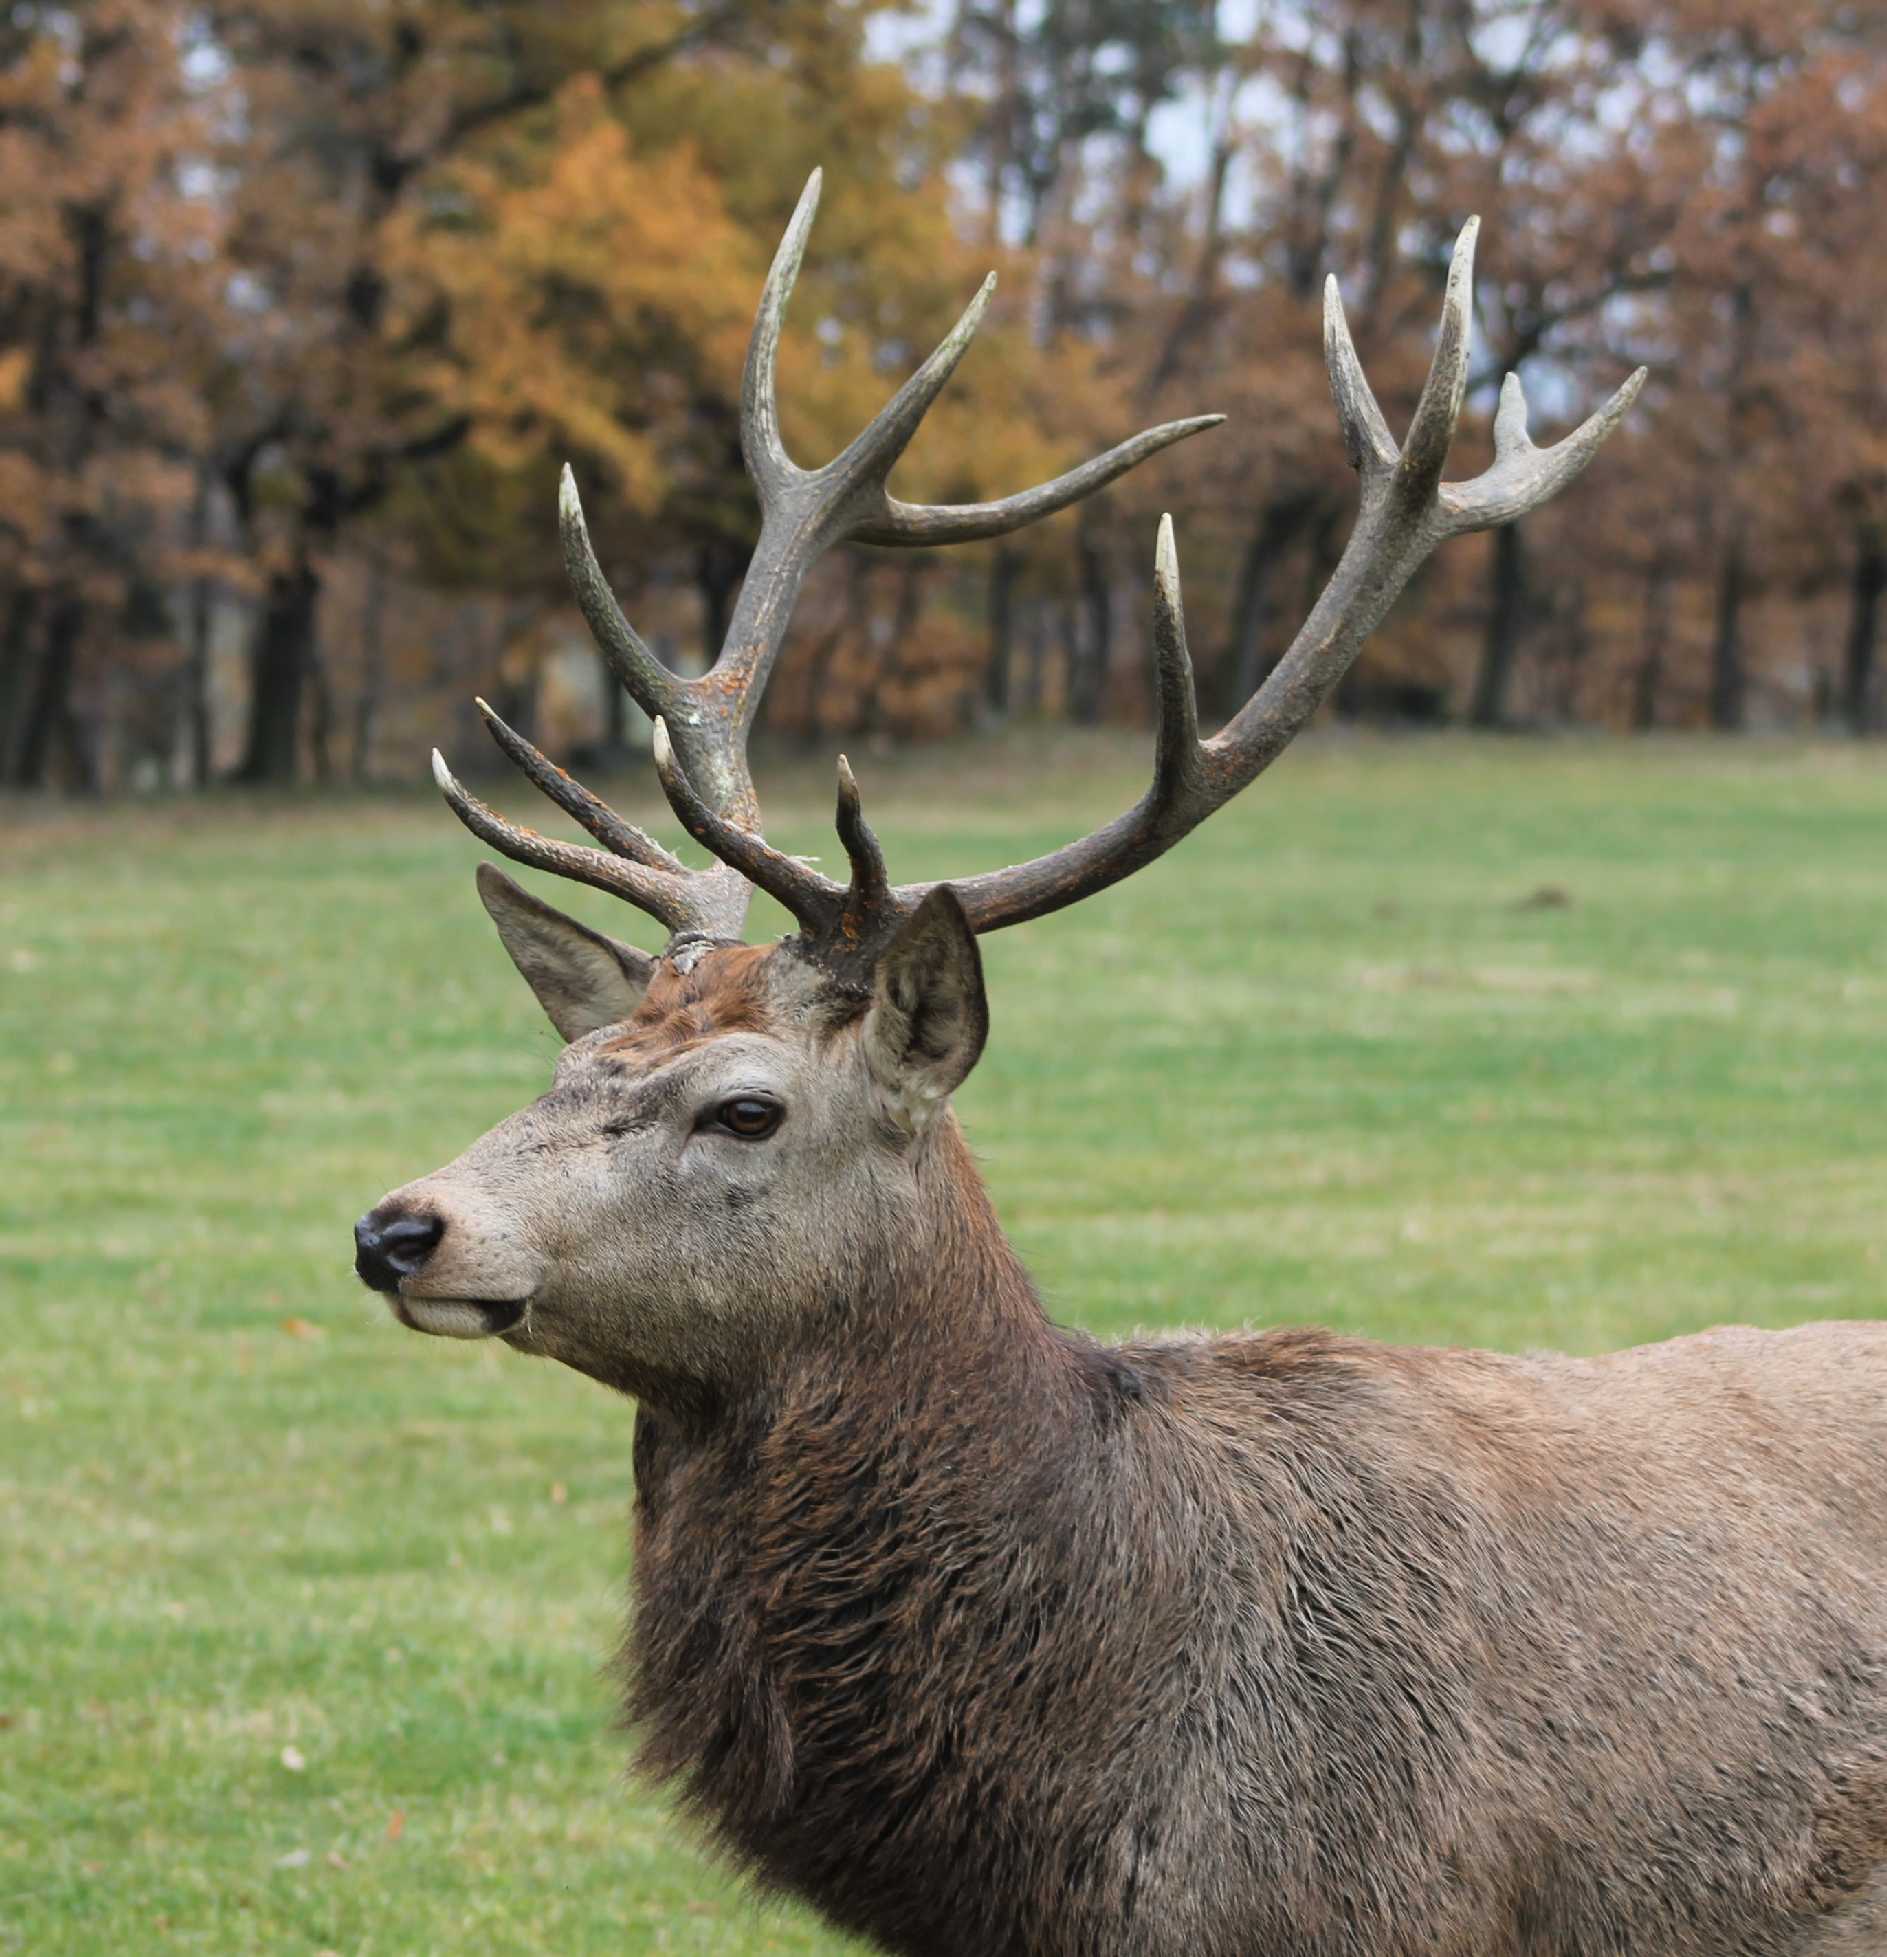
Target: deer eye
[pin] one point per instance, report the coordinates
(749, 1117)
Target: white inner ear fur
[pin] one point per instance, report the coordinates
(928, 1018)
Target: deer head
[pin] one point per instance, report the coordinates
(740, 1139)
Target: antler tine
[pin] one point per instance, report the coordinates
(810, 897)
(924, 524)
(1178, 771)
(620, 838)
(871, 881)
(877, 447)
(647, 681)
(1521, 476)
(760, 445)
(699, 904)
(1372, 449)
(1432, 430)
(1407, 510)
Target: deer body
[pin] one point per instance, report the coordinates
(990, 1640)
(1274, 1646)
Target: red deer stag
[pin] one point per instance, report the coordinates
(989, 1639)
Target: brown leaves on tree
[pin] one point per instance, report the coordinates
(302, 306)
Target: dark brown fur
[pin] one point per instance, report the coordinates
(987, 1639)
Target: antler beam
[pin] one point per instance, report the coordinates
(702, 725)
(702, 756)
(1407, 510)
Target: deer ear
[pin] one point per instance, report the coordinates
(929, 1016)
(582, 979)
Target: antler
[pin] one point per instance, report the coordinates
(1407, 510)
(702, 724)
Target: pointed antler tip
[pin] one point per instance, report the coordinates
(1166, 590)
(1461, 259)
(970, 318)
(484, 706)
(659, 742)
(800, 223)
(441, 774)
(847, 780)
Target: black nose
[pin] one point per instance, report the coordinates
(390, 1246)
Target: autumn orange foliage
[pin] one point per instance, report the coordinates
(303, 303)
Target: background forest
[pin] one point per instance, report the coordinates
(304, 302)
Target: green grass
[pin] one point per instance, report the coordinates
(1518, 1044)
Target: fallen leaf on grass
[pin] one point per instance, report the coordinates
(396, 1824)
(302, 1328)
(293, 1759)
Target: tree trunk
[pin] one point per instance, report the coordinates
(281, 659)
(1575, 652)
(615, 743)
(201, 619)
(372, 670)
(853, 631)
(1243, 665)
(1650, 671)
(18, 668)
(888, 668)
(1865, 595)
(1068, 633)
(999, 674)
(321, 719)
(717, 573)
(49, 722)
(1506, 627)
(1091, 654)
(1035, 665)
(1729, 681)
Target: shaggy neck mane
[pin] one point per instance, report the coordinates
(933, 1489)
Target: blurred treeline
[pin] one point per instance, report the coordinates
(302, 303)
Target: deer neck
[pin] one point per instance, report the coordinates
(816, 1533)
(955, 1283)
(945, 1298)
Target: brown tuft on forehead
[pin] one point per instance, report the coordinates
(723, 990)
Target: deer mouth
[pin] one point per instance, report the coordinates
(460, 1318)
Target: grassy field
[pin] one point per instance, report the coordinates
(303, 1620)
